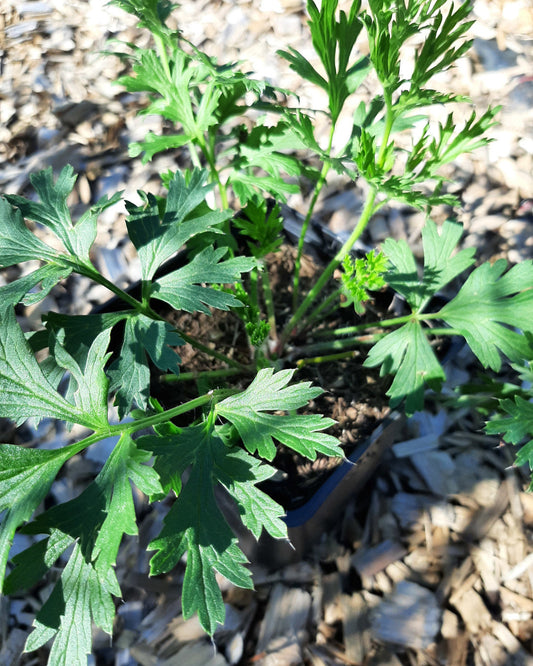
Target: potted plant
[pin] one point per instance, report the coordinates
(227, 435)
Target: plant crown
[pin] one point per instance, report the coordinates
(246, 146)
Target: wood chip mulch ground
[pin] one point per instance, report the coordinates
(433, 563)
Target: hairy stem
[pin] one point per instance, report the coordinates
(316, 360)
(327, 305)
(163, 55)
(215, 176)
(387, 323)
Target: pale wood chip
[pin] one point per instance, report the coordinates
(450, 625)
(195, 654)
(398, 571)
(485, 518)
(356, 627)
(467, 584)
(473, 611)
(515, 601)
(331, 591)
(511, 643)
(526, 500)
(438, 470)
(286, 616)
(283, 651)
(457, 650)
(519, 569)
(484, 564)
(490, 652)
(410, 617)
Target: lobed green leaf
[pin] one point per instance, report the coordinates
(184, 288)
(25, 479)
(156, 238)
(407, 354)
(488, 309)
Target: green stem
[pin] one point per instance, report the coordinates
(364, 219)
(326, 303)
(163, 55)
(352, 330)
(330, 268)
(302, 362)
(161, 417)
(211, 352)
(215, 176)
(195, 159)
(146, 422)
(318, 188)
(334, 345)
(443, 331)
(387, 323)
(254, 298)
(145, 309)
(90, 272)
(369, 339)
(207, 374)
(269, 303)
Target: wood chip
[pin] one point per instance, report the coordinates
(369, 561)
(286, 616)
(410, 617)
(472, 610)
(457, 650)
(331, 590)
(486, 517)
(356, 627)
(438, 470)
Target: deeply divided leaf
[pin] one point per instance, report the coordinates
(26, 392)
(156, 236)
(489, 308)
(185, 288)
(195, 524)
(259, 431)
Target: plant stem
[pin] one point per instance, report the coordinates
(195, 159)
(211, 352)
(141, 424)
(209, 156)
(269, 303)
(367, 212)
(91, 272)
(302, 362)
(144, 308)
(368, 339)
(352, 330)
(208, 374)
(364, 219)
(163, 56)
(326, 303)
(387, 323)
(332, 345)
(161, 417)
(318, 188)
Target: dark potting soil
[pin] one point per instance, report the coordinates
(353, 396)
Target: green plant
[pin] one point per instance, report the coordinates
(65, 370)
